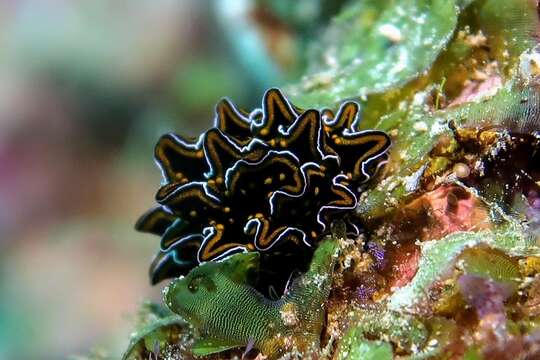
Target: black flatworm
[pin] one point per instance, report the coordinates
(255, 181)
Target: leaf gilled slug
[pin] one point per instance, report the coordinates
(258, 181)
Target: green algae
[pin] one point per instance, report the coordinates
(490, 264)
(511, 27)
(154, 337)
(473, 353)
(157, 328)
(439, 255)
(391, 327)
(216, 292)
(516, 105)
(442, 333)
(374, 46)
(398, 319)
(339, 71)
(361, 348)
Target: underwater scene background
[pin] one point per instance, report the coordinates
(335, 179)
(87, 89)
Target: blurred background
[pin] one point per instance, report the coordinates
(86, 89)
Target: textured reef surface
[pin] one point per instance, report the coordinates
(293, 232)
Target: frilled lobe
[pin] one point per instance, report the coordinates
(231, 120)
(179, 159)
(277, 176)
(155, 221)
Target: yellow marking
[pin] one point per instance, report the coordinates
(347, 115)
(264, 238)
(275, 98)
(264, 132)
(310, 120)
(208, 252)
(313, 234)
(268, 181)
(165, 190)
(345, 199)
(192, 213)
(165, 143)
(227, 209)
(198, 194)
(149, 220)
(316, 190)
(315, 172)
(227, 110)
(272, 237)
(219, 180)
(281, 160)
(212, 139)
(381, 142)
(282, 143)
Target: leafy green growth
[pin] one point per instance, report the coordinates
(439, 255)
(373, 46)
(357, 347)
(513, 106)
(511, 26)
(403, 330)
(213, 294)
(157, 328)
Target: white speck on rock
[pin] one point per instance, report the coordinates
(438, 127)
(391, 32)
(420, 126)
(529, 63)
(412, 181)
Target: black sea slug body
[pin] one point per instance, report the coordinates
(256, 181)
